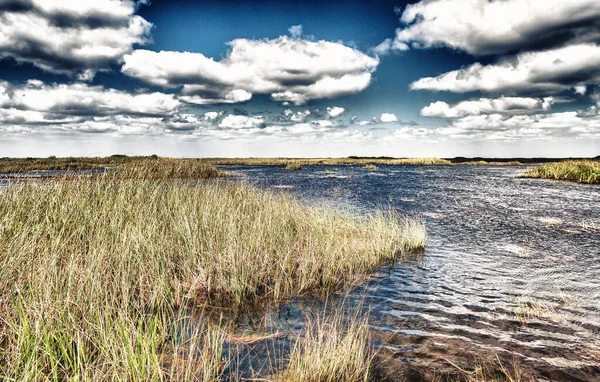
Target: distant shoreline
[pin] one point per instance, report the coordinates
(19, 165)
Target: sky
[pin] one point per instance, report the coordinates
(278, 78)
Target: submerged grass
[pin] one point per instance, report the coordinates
(94, 270)
(580, 171)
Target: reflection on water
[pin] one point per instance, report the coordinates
(511, 265)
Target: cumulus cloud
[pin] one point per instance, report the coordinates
(542, 72)
(233, 96)
(580, 89)
(299, 116)
(571, 124)
(388, 45)
(479, 106)
(295, 31)
(290, 70)
(241, 122)
(388, 117)
(491, 27)
(334, 112)
(83, 100)
(71, 37)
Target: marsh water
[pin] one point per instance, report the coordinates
(511, 270)
(511, 266)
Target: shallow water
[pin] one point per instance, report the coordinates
(497, 245)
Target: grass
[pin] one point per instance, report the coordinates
(16, 165)
(580, 171)
(370, 167)
(122, 166)
(331, 350)
(489, 372)
(96, 271)
(293, 166)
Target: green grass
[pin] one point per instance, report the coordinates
(95, 271)
(580, 171)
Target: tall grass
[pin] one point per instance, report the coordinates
(580, 171)
(94, 271)
(331, 350)
(168, 168)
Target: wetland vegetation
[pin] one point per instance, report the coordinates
(580, 171)
(97, 272)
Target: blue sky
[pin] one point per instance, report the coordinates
(303, 78)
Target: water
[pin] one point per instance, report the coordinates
(511, 267)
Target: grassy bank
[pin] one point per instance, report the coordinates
(95, 271)
(582, 171)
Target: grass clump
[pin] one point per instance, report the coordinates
(330, 351)
(293, 166)
(580, 171)
(370, 167)
(94, 270)
(168, 168)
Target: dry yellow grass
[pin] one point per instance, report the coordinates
(94, 271)
(331, 350)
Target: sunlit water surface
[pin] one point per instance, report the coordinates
(497, 245)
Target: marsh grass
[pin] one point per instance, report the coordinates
(580, 171)
(168, 168)
(15, 165)
(370, 167)
(293, 166)
(331, 349)
(95, 270)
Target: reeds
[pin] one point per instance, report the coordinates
(94, 271)
(580, 171)
(331, 350)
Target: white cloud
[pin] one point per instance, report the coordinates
(233, 96)
(388, 45)
(323, 123)
(71, 37)
(539, 126)
(84, 100)
(580, 89)
(491, 27)
(299, 116)
(295, 31)
(242, 122)
(290, 70)
(388, 117)
(334, 112)
(487, 106)
(544, 71)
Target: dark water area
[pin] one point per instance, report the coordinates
(511, 267)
